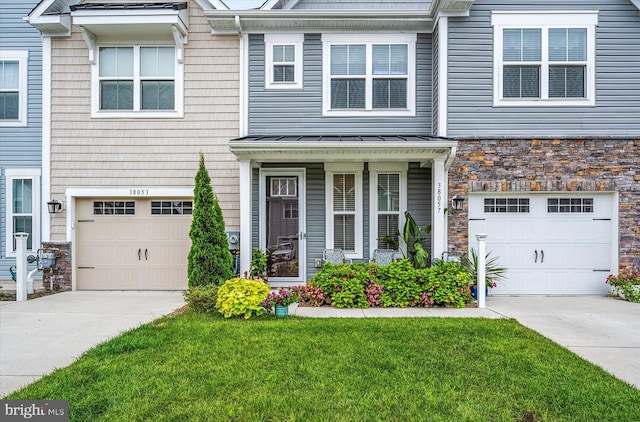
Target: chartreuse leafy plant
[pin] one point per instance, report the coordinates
(210, 261)
(242, 297)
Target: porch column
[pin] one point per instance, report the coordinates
(245, 216)
(438, 220)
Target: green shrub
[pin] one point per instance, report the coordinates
(400, 288)
(448, 283)
(209, 261)
(241, 297)
(398, 284)
(202, 298)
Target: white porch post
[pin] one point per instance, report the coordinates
(480, 283)
(21, 266)
(245, 216)
(438, 220)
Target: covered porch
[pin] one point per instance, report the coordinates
(300, 195)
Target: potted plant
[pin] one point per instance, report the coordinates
(492, 272)
(279, 301)
(627, 285)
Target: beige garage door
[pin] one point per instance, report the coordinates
(133, 244)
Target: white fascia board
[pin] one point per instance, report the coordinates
(340, 151)
(261, 21)
(544, 18)
(269, 4)
(39, 10)
(50, 25)
(129, 192)
(124, 18)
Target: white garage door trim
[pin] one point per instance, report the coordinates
(594, 233)
(133, 192)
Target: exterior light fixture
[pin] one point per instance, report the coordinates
(456, 202)
(54, 206)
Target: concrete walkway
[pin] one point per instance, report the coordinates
(40, 335)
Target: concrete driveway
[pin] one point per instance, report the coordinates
(40, 335)
(603, 330)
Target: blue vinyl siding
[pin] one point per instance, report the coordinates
(295, 112)
(419, 201)
(20, 146)
(617, 110)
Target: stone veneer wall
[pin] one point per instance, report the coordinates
(60, 275)
(551, 165)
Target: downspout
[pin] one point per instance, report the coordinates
(46, 137)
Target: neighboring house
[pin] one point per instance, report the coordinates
(20, 131)
(350, 113)
(137, 91)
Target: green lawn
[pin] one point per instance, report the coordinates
(195, 367)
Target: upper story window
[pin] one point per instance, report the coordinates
(138, 81)
(369, 75)
(544, 58)
(283, 61)
(13, 88)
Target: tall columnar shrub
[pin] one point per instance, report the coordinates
(210, 261)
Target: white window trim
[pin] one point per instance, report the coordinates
(297, 40)
(344, 168)
(544, 21)
(368, 40)
(136, 113)
(34, 175)
(22, 57)
(385, 168)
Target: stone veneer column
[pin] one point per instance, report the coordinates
(58, 277)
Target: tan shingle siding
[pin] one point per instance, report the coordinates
(148, 152)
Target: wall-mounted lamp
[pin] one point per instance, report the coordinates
(456, 202)
(54, 206)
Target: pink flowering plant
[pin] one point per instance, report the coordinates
(627, 285)
(284, 297)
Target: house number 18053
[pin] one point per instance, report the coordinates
(138, 192)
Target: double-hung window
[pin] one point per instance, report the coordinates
(344, 208)
(388, 187)
(369, 74)
(283, 61)
(13, 88)
(142, 80)
(544, 58)
(23, 207)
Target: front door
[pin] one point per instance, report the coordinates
(282, 228)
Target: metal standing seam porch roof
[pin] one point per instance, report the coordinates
(320, 148)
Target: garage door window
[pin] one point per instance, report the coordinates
(506, 205)
(114, 208)
(570, 205)
(171, 207)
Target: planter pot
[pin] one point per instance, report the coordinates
(282, 311)
(618, 292)
(474, 292)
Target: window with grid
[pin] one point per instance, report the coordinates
(506, 205)
(369, 76)
(284, 187)
(114, 208)
(171, 207)
(283, 61)
(388, 208)
(570, 205)
(544, 58)
(137, 78)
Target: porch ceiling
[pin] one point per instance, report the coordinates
(337, 148)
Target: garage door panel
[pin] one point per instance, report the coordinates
(576, 243)
(139, 251)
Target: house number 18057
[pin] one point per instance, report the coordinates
(138, 192)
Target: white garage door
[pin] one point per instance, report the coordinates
(550, 244)
(139, 244)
